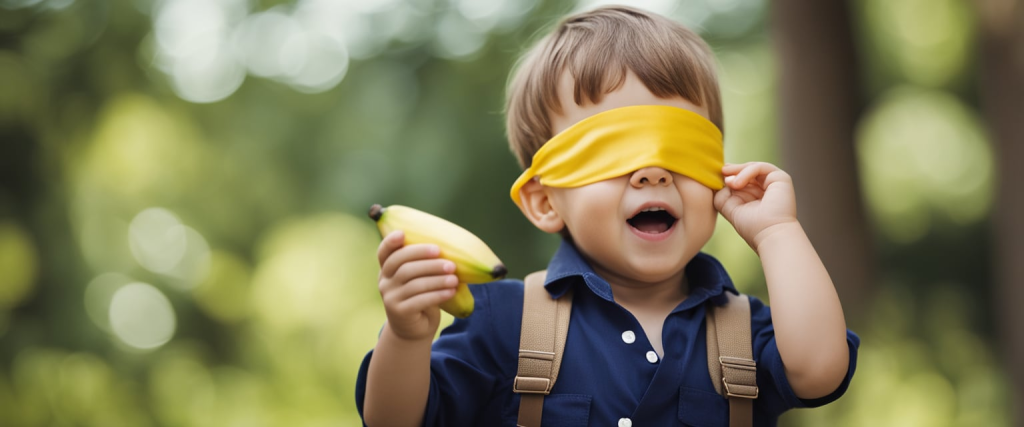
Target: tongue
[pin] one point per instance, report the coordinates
(649, 225)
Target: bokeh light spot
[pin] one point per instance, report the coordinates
(19, 264)
(83, 377)
(194, 49)
(140, 153)
(457, 38)
(927, 42)
(18, 4)
(259, 41)
(141, 316)
(194, 264)
(222, 293)
(157, 239)
(317, 62)
(184, 391)
(207, 75)
(313, 271)
(922, 152)
(496, 15)
(98, 294)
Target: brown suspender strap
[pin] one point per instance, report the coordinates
(540, 346)
(730, 357)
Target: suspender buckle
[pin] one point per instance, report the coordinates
(531, 385)
(743, 373)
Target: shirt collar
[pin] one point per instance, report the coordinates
(707, 278)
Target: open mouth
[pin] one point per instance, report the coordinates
(652, 220)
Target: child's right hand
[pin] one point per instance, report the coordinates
(413, 282)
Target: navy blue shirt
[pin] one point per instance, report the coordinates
(606, 373)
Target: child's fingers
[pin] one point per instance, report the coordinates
(425, 300)
(744, 176)
(406, 254)
(732, 168)
(726, 202)
(392, 242)
(748, 193)
(750, 173)
(423, 267)
(721, 196)
(424, 284)
(727, 199)
(777, 175)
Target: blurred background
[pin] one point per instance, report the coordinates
(184, 187)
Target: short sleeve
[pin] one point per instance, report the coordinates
(776, 394)
(470, 361)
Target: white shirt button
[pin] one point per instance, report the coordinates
(628, 337)
(625, 422)
(652, 357)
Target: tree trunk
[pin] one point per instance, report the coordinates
(820, 105)
(1002, 96)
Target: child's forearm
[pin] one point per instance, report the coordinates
(810, 329)
(397, 381)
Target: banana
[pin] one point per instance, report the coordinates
(474, 261)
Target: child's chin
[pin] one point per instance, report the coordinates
(657, 269)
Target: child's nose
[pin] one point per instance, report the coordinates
(650, 176)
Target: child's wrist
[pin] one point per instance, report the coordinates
(783, 231)
(404, 340)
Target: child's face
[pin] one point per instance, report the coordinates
(604, 218)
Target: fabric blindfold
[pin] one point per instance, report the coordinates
(617, 142)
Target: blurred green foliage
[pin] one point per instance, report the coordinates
(183, 239)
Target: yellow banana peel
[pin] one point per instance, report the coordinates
(475, 262)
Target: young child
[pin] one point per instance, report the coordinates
(626, 106)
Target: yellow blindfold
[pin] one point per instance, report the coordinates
(622, 140)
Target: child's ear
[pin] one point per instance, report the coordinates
(536, 205)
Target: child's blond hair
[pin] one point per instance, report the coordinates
(597, 48)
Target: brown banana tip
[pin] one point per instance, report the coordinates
(376, 211)
(499, 271)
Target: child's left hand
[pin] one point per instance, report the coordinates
(757, 198)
